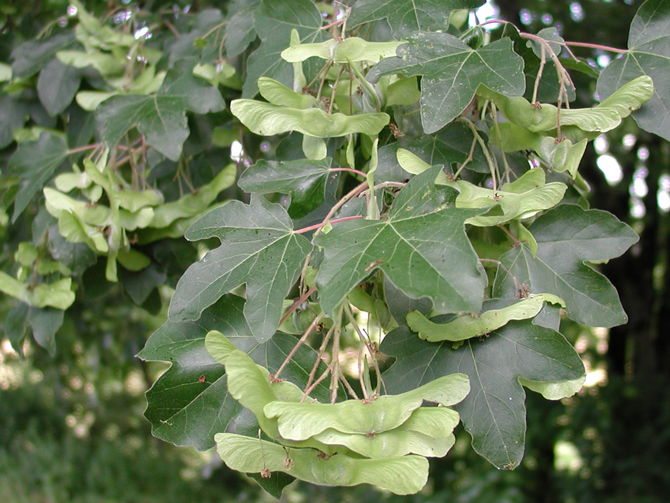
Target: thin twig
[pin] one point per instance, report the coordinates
(300, 342)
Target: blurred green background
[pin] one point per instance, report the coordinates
(72, 426)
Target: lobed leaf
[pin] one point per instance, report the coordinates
(567, 236)
(648, 55)
(493, 412)
(407, 16)
(259, 248)
(452, 72)
(305, 180)
(422, 248)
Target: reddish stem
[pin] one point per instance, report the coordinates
(318, 226)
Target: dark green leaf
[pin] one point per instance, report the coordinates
(13, 114)
(75, 256)
(160, 117)
(649, 54)
(138, 285)
(198, 95)
(450, 147)
(240, 31)
(567, 236)
(494, 412)
(16, 325)
(31, 56)
(274, 21)
(35, 162)
(304, 180)
(57, 85)
(422, 249)
(451, 72)
(406, 16)
(259, 248)
(185, 411)
(273, 485)
(45, 322)
(186, 45)
(400, 305)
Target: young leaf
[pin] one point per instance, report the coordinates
(422, 249)
(567, 236)
(468, 326)
(451, 72)
(259, 248)
(304, 180)
(401, 475)
(493, 412)
(302, 420)
(407, 16)
(648, 40)
(35, 163)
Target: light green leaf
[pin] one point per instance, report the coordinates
(58, 294)
(133, 260)
(567, 236)
(411, 163)
(278, 94)
(259, 248)
(467, 326)
(407, 16)
(303, 420)
(555, 390)
(191, 205)
(648, 55)
(5, 72)
(135, 200)
(90, 100)
(427, 432)
(600, 119)
(11, 286)
(106, 64)
(349, 50)
(402, 475)
(523, 198)
(421, 262)
(451, 72)
(266, 119)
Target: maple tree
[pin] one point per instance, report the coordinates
(415, 193)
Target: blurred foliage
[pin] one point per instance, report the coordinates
(71, 427)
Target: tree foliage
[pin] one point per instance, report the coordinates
(414, 193)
